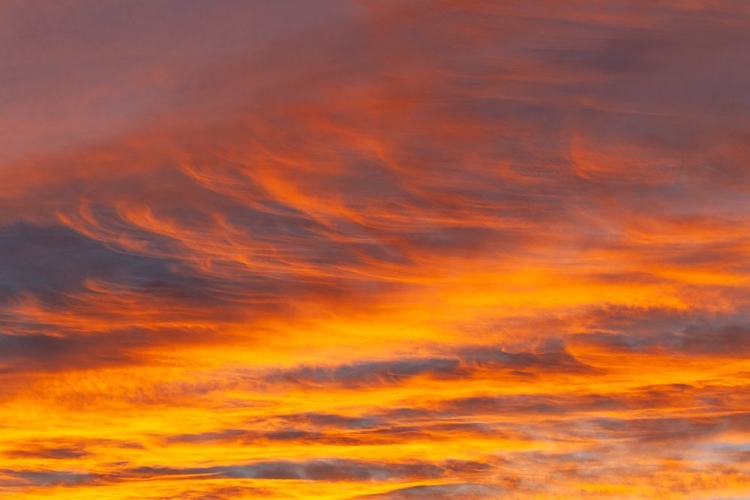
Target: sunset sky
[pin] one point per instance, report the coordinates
(374, 249)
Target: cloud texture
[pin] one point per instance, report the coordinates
(375, 249)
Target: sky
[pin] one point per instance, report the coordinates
(374, 249)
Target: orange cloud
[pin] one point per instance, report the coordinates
(402, 250)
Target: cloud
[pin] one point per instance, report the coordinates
(475, 491)
(388, 249)
(48, 453)
(48, 478)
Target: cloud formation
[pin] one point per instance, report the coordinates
(374, 249)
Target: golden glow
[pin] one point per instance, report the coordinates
(454, 249)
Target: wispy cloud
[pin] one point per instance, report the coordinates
(374, 249)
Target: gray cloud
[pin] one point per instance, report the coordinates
(442, 491)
